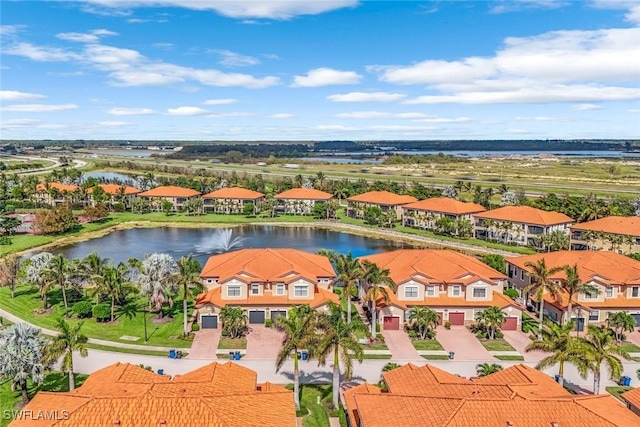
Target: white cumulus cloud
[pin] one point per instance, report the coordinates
(234, 59)
(124, 111)
(326, 77)
(586, 107)
(366, 97)
(282, 116)
(14, 95)
(221, 101)
(114, 124)
(38, 108)
(90, 37)
(187, 111)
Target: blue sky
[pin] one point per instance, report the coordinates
(337, 69)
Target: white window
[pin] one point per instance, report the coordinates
(301, 291)
(431, 291)
(609, 292)
(455, 291)
(255, 289)
(280, 289)
(233, 291)
(594, 316)
(589, 295)
(521, 274)
(635, 291)
(411, 292)
(479, 292)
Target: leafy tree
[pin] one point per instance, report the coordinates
(112, 284)
(56, 274)
(349, 273)
(373, 215)
(56, 220)
(249, 209)
(188, 279)
(9, 224)
(69, 340)
(140, 205)
(484, 369)
(450, 191)
(234, 321)
(424, 320)
(166, 206)
(10, 268)
(620, 322)
(299, 333)
(541, 284)
(21, 356)
(96, 212)
(156, 280)
(496, 262)
(378, 281)
(573, 285)
(338, 337)
(492, 318)
(600, 347)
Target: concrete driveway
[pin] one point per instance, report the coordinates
(634, 336)
(205, 344)
(400, 345)
(465, 345)
(263, 342)
(520, 340)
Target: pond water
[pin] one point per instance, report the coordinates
(124, 244)
(107, 175)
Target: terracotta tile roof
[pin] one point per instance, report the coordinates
(114, 189)
(350, 402)
(625, 225)
(525, 214)
(433, 266)
(267, 265)
(632, 397)
(445, 205)
(233, 193)
(384, 410)
(169, 191)
(409, 378)
(214, 395)
(304, 194)
(69, 188)
(517, 375)
(604, 266)
(385, 198)
(319, 298)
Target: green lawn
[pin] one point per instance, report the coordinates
(316, 406)
(232, 343)
(130, 351)
(436, 356)
(377, 345)
(377, 356)
(617, 391)
(496, 345)
(427, 345)
(54, 381)
(509, 358)
(630, 347)
(129, 322)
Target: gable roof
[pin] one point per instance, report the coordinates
(632, 397)
(233, 193)
(267, 265)
(169, 191)
(304, 194)
(222, 395)
(433, 266)
(382, 198)
(58, 186)
(624, 225)
(114, 189)
(446, 205)
(604, 266)
(525, 214)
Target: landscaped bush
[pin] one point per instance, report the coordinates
(268, 323)
(102, 312)
(447, 325)
(377, 327)
(5, 240)
(412, 334)
(195, 327)
(380, 337)
(511, 293)
(481, 331)
(83, 309)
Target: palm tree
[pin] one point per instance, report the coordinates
(188, 279)
(620, 322)
(68, 341)
(21, 356)
(156, 280)
(541, 283)
(484, 369)
(338, 337)
(424, 320)
(56, 274)
(349, 273)
(376, 279)
(492, 318)
(600, 347)
(299, 333)
(112, 284)
(35, 267)
(573, 285)
(234, 321)
(557, 339)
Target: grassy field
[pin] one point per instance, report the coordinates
(496, 345)
(427, 345)
(130, 322)
(232, 343)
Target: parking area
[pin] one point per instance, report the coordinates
(400, 345)
(263, 342)
(205, 344)
(520, 340)
(463, 343)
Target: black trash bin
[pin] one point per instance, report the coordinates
(451, 355)
(179, 354)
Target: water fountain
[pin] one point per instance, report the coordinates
(221, 241)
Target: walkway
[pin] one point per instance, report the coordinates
(205, 344)
(400, 346)
(263, 343)
(463, 343)
(519, 340)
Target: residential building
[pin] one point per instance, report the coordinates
(613, 233)
(265, 282)
(117, 193)
(300, 201)
(123, 394)
(632, 398)
(426, 213)
(231, 200)
(385, 200)
(522, 225)
(55, 193)
(174, 194)
(616, 278)
(456, 286)
(516, 396)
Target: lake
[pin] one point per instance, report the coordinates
(124, 244)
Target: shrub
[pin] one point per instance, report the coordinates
(9, 209)
(380, 337)
(83, 309)
(102, 312)
(447, 325)
(413, 334)
(511, 293)
(195, 327)
(377, 327)
(5, 240)
(268, 323)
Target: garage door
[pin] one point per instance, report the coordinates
(456, 318)
(277, 313)
(209, 322)
(637, 317)
(391, 323)
(510, 324)
(256, 317)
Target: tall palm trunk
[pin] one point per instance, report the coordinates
(184, 312)
(72, 384)
(23, 391)
(64, 298)
(596, 380)
(561, 373)
(569, 309)
(336, 378)
(296, 379)
(348, 306)
(113, 308)
(373, 320)
(541, 316)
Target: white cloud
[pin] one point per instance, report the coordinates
(326, 77)
(113, 124)
(268, 9)
(10, 30)
(444, 120)
(516, 131)
(165, 46)
(416, 117)
(40, 53)
(632, 7)
(435, 71)
(14, 95)
(234, 59)
(535, 119)
(17, 123)
(38, 108)
(335, 127)
(586, 107)
(90, 37)
(124, 111)
(230, 114)
(633, 110)
(365, 115)
(503, 6)
(366, 97)
(281, 116)
(187, 111)
(221, 101)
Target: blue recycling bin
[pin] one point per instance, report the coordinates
(160, 371)
(237, 355)
(305, 355)
(172, 354)
(625, 381)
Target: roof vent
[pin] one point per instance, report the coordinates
(117, 422)
(510, 424)
(555, 424)
(163, 422)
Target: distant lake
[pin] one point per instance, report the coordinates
(484, 153)
(107, 175)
